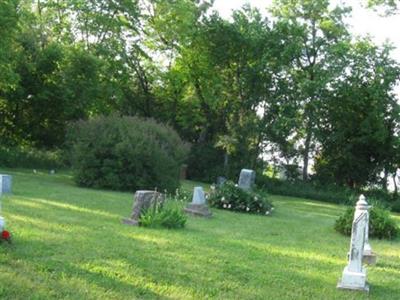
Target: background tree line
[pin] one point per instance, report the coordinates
(292, 88)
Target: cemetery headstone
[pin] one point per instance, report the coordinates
(221, 180)
(142, 201)
(247, 179)
(369, 256)
(198, 207)
(2, 224)
(6, 185)
(354, 275)
(2, 221)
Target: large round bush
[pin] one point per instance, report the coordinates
(126, 153)
(381, 224)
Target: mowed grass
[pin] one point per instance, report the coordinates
(69, 243)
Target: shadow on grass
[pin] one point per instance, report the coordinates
(72, 234)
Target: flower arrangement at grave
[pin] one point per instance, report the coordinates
(5, 236)
(229, 196)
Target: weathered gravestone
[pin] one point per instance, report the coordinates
(221, 180)
(6, 184)
(246, 179)
(142, 201)
(354, 275)
(198, 207)
(369, 256)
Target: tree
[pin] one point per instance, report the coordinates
(227, 77)
(316, 37)
(391, 6)
(8, 45)
(360, 120)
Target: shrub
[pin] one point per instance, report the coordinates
(380, 195)
(168, 214)
(125, 153)
(396, 206)
(28, 157)
(381, 225)
(229, 196)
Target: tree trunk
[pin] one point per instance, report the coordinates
(395, 184)
(226, 163)
(385, 180)
(307, 145)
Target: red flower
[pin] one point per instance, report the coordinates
(5, 235)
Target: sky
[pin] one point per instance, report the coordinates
(362, 22)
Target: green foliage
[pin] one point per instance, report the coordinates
(309, 190)
(236, 89)
(381, 224)
(315, 40)
(230, 196)
(169, 214)
(8, 25)
(359, 122)
(126, 153)
(395, 206)
(323, 192)
(26, 157)
(391, 6)
(205, 163)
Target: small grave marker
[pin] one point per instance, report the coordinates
(247, 179)
(221, 180)
(6, 184)
(198, 207)
(142, 201)
(2, 221)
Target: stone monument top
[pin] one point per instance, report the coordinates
(362, 203)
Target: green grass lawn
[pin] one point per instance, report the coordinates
(69, 243)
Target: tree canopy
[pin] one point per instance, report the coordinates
(291, 88)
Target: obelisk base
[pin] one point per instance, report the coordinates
(354, 280)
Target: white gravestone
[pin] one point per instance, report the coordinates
(246, 179)
(368, 255)
(354, 275)
(198, 196)
(198, 207)
(6, 183)
(2, 221)
(2, 224)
